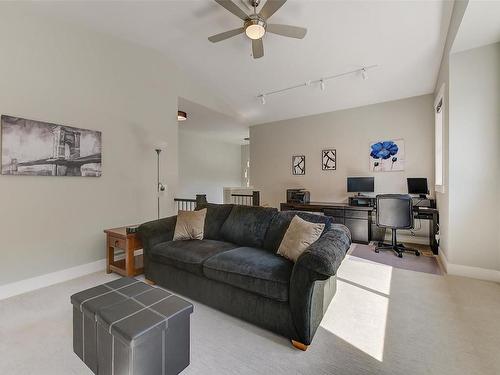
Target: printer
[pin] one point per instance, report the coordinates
(300, 196)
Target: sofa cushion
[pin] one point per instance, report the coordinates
(281, 221)
(251, 269)
(247, 225)
(216, 216)
(188, 255)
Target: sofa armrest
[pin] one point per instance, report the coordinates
(312, 285)
(324, 256)
(155, 232)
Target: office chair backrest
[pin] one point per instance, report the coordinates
(394, 211)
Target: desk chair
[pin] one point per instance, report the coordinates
(395, 211)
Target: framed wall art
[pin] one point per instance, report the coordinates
(329, 159)
(36, 148)
(298, 165)
(387, 155)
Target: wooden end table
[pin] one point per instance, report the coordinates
(131, 265)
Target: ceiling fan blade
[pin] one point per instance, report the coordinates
(233, 8)
(246, 4)
(225, 35)
(257, 48)
(287, 30)
(271, 7)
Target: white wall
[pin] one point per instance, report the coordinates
(53, 71)
(350, 133)
(206, 166)
(474, 165)
(443, 80)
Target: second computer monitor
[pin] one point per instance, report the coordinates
(360, 184)
(418, 186)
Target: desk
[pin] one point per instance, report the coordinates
(360, 219)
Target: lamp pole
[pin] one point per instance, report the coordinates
(159, 186)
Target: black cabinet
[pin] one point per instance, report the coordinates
(357, 220)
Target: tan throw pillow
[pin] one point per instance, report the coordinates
(190, 225)
(298, 237)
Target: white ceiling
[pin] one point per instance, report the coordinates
(480, 25)
(211, 124)
(405, 38)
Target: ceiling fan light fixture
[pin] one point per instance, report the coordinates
(181, 116)
(255, 31)
(255, 28)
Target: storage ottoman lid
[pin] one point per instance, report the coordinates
(91, 300)
(132, 318)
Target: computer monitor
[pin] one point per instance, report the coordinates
(418, 186)
(360, 184)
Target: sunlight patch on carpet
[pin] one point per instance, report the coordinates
(362, 300)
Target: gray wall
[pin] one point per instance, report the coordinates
(53, 71)
(350, 133)
(474, 168)
(245, 160)
(206, 166)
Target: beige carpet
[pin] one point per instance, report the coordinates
(383, 320)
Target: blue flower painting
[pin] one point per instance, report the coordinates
(387, 155)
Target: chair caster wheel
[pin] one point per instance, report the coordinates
(377, 251)
(400, 255)
(417, 253)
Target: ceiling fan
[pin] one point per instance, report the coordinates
(255, 25)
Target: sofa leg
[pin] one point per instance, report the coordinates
(150, 282)
(299, 345)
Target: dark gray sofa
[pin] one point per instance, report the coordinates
(235, 267)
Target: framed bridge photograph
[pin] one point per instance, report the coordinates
(35, 148)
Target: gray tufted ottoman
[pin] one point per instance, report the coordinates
(144, 332)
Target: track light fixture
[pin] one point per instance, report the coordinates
(364, 74)
(322, 82)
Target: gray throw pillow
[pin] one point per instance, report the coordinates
(190, 225)
(298, 237)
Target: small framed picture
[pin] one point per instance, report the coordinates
(298, 165)
(329, 159)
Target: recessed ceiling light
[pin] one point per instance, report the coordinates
(181, 116)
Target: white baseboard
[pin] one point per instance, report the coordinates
(27, 285)
(468, 271)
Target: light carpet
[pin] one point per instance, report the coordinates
(383, 320)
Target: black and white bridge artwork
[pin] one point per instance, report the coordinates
(35, 148)
(329, 160)
(298, 165)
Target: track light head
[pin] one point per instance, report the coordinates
(364, 74)
(322, 85)
(263, 99)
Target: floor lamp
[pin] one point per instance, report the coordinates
(159, 186)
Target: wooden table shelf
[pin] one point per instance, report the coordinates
(118, 239)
